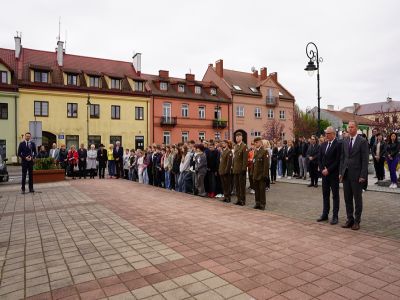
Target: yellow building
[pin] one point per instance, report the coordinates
(73, 99)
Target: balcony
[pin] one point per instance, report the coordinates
(168, 121)
(219, 124)
(272, 101)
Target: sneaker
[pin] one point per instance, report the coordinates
(289, 177)
(252, 192)
(279, 177)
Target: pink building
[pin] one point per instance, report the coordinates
(260, 104)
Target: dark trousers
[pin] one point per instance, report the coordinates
(119, 168)
(211, 180)
(102, 170)
(226, 186)
(157, 177)
(330, 183)
(92, 171)
(240, 186)
(27, 166)
(379, 168)
(200, 184)
(82, 168)
(284, 167)
(313, 169)
(353, 190)
(251, 181)
(289, 165)
(150, 174)
(259, 188)
(126, 173)
(273, 171)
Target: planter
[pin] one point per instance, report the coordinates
(41, 176)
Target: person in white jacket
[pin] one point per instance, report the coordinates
(91, 160)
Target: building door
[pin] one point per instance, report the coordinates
(139, 142)
(48, 139)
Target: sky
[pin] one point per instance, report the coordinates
(358, 40)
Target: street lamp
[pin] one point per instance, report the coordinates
(312, 54)
(88, 103)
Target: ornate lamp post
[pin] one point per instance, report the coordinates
(312, 54)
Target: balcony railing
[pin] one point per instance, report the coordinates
(219, 124)
(168, 121)
(271, 100)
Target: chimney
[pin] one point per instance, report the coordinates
(60, 53)
(137, 62)
(263, 73)
(274, 75)
(356, 107)
(219, 67)
(189, 77)
(18, 46)
(255, 73)
(163, 74)
(388, 99)
(331, 107)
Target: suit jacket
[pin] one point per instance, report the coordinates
(382, 150)
(330, 159)
(260, 164)
(102, 157)
(225, 162)
(355, 163)
(54, 153)
(240, 159)
(82, 154)
(290, 154)
(25, 150)
(313, 151)
(118, 153)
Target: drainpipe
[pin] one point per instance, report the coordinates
(152, 117)
(232, 122)
(15, 125)
(147, 127)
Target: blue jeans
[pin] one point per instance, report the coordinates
(392, 164)
(111, 168)
(280, 163)
(176, 187)
(167, 181)
(145, 176)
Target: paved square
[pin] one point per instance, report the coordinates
(121, 240)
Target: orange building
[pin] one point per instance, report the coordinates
(261, 106)
(186, 109)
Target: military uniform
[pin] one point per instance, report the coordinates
(224, 170)
(239, 172)
(260, 172)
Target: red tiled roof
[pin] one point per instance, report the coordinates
(378, 107)
(346, 117)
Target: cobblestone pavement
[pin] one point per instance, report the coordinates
(95, 239)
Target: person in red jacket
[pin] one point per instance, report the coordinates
(72, 158)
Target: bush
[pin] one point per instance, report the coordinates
(45, 164)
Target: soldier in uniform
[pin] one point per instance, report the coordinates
(260, 172)
(224, 170)
(239, 169)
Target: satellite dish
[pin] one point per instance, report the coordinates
(253, 69)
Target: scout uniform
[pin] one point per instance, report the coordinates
(239, 172)
(260, 172)
(224, 170)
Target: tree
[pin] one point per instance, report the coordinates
(273, 130)
(388, 120)
(305, 124)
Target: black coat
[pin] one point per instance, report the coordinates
(330, 159)
(313, 151)
(102, 157)
(393, 149)
(382, 152)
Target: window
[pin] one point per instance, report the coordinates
(270, 113)
(41, 108)
(270, 97)
(377, 120)
(3, 77)
(239, 111)
(72, 110)
(181, 88)
(213, 91)
(257, 113)
(282, 114)
(185, 110)
(72, 79)
(163, 86)
(139, 86)
(115, 138)
(40, 76)
(139, 113)
(253, 89)
(95, 111)
(236, 87)
(115, 83)
(3, 148)
(4, 111)
(94, 81)
(72, 140)
(115, 112)
(257, 133)
(167, 110)
(202, 112)
(386, 120)
(167, 137)
(185, 136)
(394, 119)
(197, 89)
(217, 113)
(95, 140)
(202, 136)
(217, 135)
(282, 136)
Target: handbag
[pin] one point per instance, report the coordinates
(76, 168)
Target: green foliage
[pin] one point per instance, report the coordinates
(45, 164)
(306, 125)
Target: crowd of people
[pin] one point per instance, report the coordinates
(220, 168)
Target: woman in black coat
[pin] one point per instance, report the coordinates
(102, 159)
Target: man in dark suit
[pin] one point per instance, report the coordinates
(312, 157)
(118, 154)
(353, 173)
(82, 155)
(27, 153)
(329, 161)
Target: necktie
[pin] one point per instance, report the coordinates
(327, 148)
(351, 145)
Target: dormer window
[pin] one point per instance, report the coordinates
(139, 86)
(236, 87)
(3, 77)
(197, 89)
(115, 83)
(163, 86)
(41, 76)
(94, 81)
(213, 91)
(181, 88)
(72, 79)
(253, 89)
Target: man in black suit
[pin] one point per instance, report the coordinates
(27, 153)
(118, 154)
(312, 156)
(329, 160)
(82, 155)
(353, 173)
